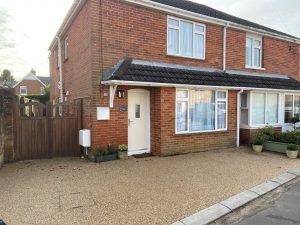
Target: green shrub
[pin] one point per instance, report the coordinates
(101, 151)
(123, 148)
(262, 135)
(292, 147)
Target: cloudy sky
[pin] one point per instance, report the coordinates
(28, 26)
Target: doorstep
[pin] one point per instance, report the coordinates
(221, 209)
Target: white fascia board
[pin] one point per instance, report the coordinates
(153, 84)
(197, 16)
(72, 13)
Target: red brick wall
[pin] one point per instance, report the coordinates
(33, 87)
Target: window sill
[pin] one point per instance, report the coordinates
(186, 57)
(254, 68)
(201, 132)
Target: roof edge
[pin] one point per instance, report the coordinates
(198, 16)
(71, 14)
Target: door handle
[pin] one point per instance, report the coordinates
(129, 122)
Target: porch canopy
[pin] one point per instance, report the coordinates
(145, 73)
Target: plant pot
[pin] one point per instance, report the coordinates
(105, 158)
(257, 148)
(275, 146)
(292, 154)
(123, 155)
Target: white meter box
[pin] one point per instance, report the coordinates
(103, 113)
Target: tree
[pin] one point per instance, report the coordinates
(6, 76)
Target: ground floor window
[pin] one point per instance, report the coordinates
(292, 107)
(265, 108)
(200, 110)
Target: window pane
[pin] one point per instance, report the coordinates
(202, 110)
(199, 28)
(297, 106)
(257, 57)
(249, 52)
(258, 108)
(173, 41)
(288, 108)
(257, 44)
(199, 45)
(272, 108)
(173, 22)
(182, 116)
(221, 95)
(186, 38)
(221, 116)
(244, 100)
(182, 94)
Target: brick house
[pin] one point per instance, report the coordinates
(173, 76)
(31, 85)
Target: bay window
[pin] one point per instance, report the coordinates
(200, 110)
(253, 52)
(265, 108)
(186, 38)
(291, 107)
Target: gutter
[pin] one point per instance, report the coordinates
(153, 84)
(238, 115)
(197, 16)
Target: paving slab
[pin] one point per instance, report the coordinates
(207, 215)
(239, 200)
(176, 223)
(284, 178)
(265, 187)
(295, 171)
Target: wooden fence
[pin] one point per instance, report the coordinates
(45, 131)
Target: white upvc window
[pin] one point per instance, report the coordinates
(201, 110)
(42, 90)
(254, 52)
(264, 109)
(23, 90)
(291, 107)
(66, 48)
(186, 38)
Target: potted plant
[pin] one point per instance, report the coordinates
(123, 152)
(257, 143)
(105, 154)
(292, 151)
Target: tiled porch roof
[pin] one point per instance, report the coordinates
(150, 72)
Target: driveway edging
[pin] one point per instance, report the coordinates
(214, 212)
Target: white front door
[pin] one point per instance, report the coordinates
(138, 121)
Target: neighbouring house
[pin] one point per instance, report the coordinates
(173, 76)
(31, 85)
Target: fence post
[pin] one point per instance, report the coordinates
(49, 129)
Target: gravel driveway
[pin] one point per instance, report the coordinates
(138, 191)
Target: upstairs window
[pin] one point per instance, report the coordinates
(186, 38)
(253, 52)
(23, 90)
(66, 45)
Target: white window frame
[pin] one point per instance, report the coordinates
(194, 34)
(188, 111)
(42, 90)
(66, 48)
(266, 99)
(253, 39)
(24, 88)
(293, 106)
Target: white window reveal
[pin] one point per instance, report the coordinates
(265, 107)
(254, 52)
(42, 91)
(186, 38)
(200, 110)
(23, 90)
(291, 108)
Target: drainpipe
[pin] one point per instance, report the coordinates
(225, 45)
(60, 71)
(238, 112)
